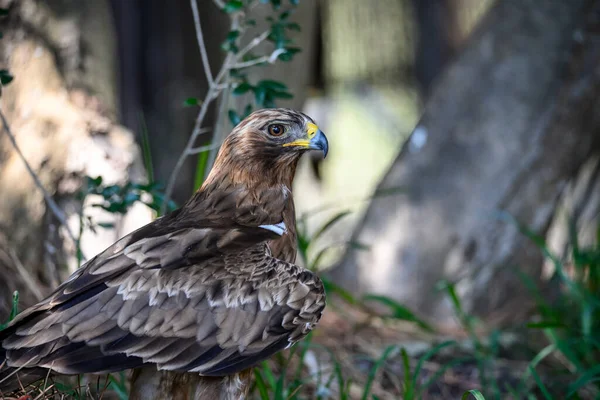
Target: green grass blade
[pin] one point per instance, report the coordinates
(442, 371)
(266, 370)
(591, 375)
(14, 310)
(373, 372)
(331, 288)
(408, 387)
(146, 152)
(475, 393)
(430, 353)
(260, 385)
(398, 310)
(327, 225)
(201, 169)
(118, 386)
(540, 384)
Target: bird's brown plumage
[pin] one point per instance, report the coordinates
(210, 288)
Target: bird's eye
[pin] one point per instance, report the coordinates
(276, 129)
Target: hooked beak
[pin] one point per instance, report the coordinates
(316, 140)
(319, 142)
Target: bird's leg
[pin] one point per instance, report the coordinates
(230, 387)
(148, 383)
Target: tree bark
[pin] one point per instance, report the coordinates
(510, 124)
(61, 107)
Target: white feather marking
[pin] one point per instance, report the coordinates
(153, 294)
(279, 228)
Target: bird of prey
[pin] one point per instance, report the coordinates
(210, 288)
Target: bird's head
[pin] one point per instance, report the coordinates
(267, 145)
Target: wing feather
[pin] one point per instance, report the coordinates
(211, 300)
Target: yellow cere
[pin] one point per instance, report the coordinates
(311, 129)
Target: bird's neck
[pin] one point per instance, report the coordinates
(274, 196)
(285, 247)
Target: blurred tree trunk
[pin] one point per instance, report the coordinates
(437, 39)
(508, 126)
(61, 107)
(160, 66)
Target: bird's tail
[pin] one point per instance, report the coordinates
(13, 379)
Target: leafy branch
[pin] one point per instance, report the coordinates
(231, 79)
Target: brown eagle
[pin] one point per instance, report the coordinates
(210, 288)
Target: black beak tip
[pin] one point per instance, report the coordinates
(323, 144)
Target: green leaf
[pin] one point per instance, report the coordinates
(5, 77)
(294, 27)
(106, 225)
(289, 54)
(398, 311)
(232, 35)
(230, 46)
(271, 84)
(232, 6)
(282, 95)
(260, 96)
(233, 117)
(191, 101)
(247, 110)
(241, 89)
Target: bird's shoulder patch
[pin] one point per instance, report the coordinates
(279, 228)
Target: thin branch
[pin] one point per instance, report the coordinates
(201, 44)
(260, 60)
(215, 87)
(25, 275)
(201, 149)
(56, 210)
(219, 4)
(252, 44)
(195, 133)
(218, 136)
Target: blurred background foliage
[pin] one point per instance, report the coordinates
(455, 222)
